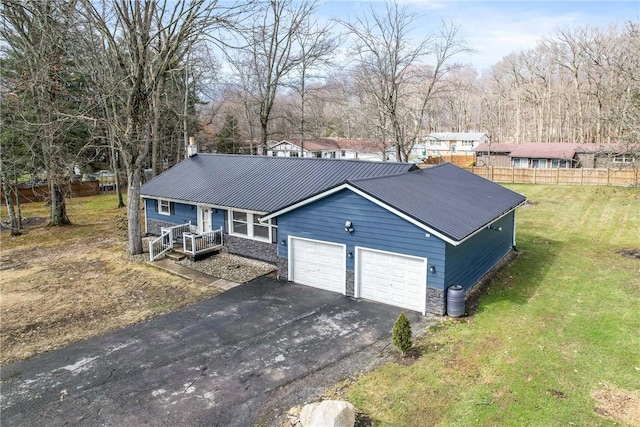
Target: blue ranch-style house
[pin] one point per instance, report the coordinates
(387, 232)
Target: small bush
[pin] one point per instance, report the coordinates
(402, 334)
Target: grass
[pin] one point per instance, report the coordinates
(63, 284)
(555, 339)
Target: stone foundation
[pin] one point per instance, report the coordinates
(436, 301)
(154, 226)
(351, 287)
(283, 268)
(262, 251)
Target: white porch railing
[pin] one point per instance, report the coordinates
(196, 244)
(168, 236)
(161, 245)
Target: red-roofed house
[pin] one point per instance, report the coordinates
(557, 155)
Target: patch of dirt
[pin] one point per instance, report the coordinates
(557, 394)
(362, 420)
(629, 253)
(622, 406)
(410, 357)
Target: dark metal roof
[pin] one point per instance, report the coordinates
(260, 183)
(446, 198)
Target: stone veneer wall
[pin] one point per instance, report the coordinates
(263, 251)
(283, 268)
(351, 283)
(154, 226)
(435, 301)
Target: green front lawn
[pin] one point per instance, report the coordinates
(555, 340)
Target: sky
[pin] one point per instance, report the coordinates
(495, 29)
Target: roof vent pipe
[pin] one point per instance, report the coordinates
(192, 149)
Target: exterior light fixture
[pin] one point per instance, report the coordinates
(349, 254)
(283, 242)
(491, 227)
(432, 269)
(348, 226)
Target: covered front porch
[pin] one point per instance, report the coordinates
(186, 239)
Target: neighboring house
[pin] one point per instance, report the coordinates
(387, 232)
(608, 155)
(493, 154)
(528, 155)
(449, 144)
(327, 148)
(546, 155)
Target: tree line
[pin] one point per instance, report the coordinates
(125, 83)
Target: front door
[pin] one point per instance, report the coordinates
(204, 219)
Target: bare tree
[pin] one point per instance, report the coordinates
(144, 41)
(15, 221)
(317, 45)
(390, 66)
(276, 46)
(38, 35)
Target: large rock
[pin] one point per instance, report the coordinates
(328, 413)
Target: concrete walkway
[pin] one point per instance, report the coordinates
(172, 267)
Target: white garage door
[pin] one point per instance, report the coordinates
(318, 264)
(391, 278)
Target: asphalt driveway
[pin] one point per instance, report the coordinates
(218, 362)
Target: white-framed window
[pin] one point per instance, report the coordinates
(343, 153)
(520, 162)
(539, 163)
(562, 164)
(247, 224)
(623, 158)
(164, 207)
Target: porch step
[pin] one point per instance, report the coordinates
(175, 256)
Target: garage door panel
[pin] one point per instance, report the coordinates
(318, 264)
(392, 278)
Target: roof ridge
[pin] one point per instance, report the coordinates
(356, 180)
(287, 158)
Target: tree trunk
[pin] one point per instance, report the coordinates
(133, 211)
(116, 171)
(14, 220)
(58, 206)
(155, 131)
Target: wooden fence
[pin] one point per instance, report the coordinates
(623, 177)
(461, 160)
(40, 193)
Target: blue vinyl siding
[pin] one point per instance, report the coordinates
(182, 213)
(374, 227)
(467, 263)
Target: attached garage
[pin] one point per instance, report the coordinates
(391, 278)
(318, 264)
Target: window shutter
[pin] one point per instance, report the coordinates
(155, 204)
(172, 208)
(226, 221)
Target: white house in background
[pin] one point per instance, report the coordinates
(449, 143)
(327, 148)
